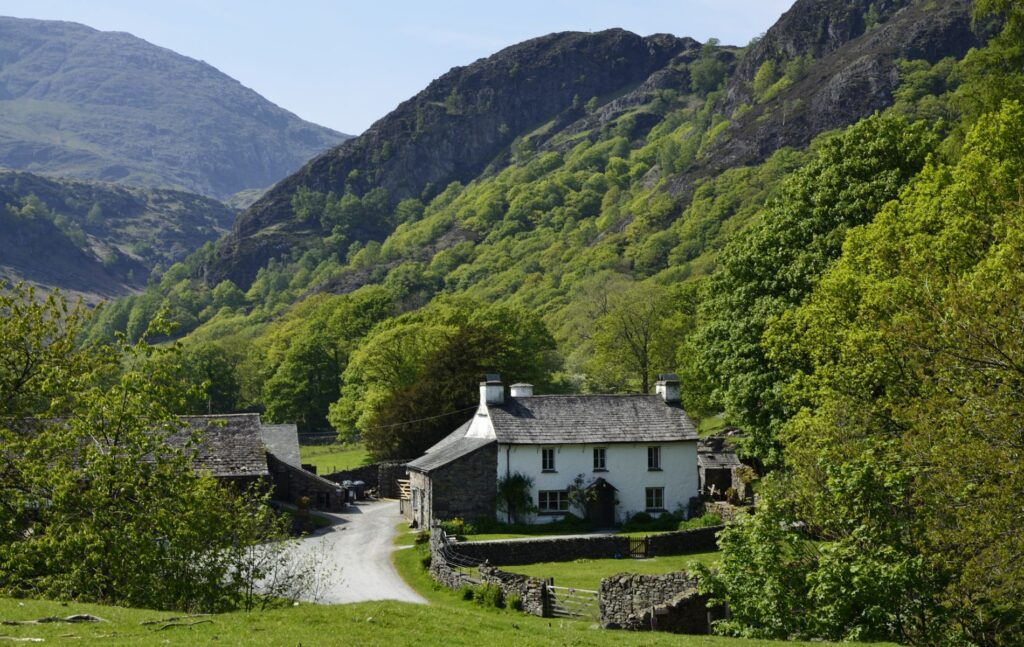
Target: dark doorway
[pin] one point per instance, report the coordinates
(601, 504)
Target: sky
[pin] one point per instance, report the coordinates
(345, 64)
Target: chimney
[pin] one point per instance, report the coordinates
(667, 387)
(522, 390)
(492, 391)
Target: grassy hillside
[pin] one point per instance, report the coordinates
(369, 623)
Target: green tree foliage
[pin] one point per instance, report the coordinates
(313, 355)
(94, 503)
(514, 496)
(903, 459)
(708, 73)
(765, 77)
(413, 378)
(777, 263)
(635, 338)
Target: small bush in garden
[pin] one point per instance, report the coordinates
(515, 602)
(425, 561)
(466, 592)
(703, 521)
(458, 527)
(422, 536)
(487, 524)
(489, 595)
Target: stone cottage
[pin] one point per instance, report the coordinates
(634, 453)
(240, 449)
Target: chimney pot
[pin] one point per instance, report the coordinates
(492, 391)
(667, 387)
(522, 390)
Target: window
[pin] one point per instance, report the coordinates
(553, 501)
(654, 458)
(654, 498)
(547, 460)
(600, 462)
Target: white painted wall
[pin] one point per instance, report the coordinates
(626, 470)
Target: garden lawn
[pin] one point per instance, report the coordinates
(588, 573)
(335, 457)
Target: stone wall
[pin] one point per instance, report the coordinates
(531, 591)
(388, 474)
(382, 476)
(290, 483)
(516, 553)
(699, 540)
(465, 487)
(667, 602)
(725, 510)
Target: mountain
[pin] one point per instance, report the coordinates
(567, 168)
(832, 62)
(108, 106)
(451, 131)
(96, 239)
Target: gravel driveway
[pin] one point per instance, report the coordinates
(356, 551)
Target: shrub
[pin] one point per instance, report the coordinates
(515, 602)
(423, 537)
(458, 527)
(703, 521)
(466, 592)
(489, 595)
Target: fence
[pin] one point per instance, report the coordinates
(569, 602)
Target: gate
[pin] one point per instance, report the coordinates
(638, 547)
(567, 602)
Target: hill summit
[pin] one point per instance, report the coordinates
(75, 101)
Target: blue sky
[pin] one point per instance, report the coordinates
(346, 64)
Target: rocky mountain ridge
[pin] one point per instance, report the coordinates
(79, 102)
(469, 122)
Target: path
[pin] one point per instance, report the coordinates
(357, 548)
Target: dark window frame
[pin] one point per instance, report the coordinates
(600, 459)
(654, 458)
(559, 499)
(547, 459)
(654, 499)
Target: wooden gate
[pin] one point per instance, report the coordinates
(638, 547)
(567, 602)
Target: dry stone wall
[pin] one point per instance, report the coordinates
(531, 591)
(667, 602)
(516, 553)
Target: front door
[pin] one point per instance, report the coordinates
(601, 506)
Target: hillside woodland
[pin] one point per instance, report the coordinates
(95, 239)
(819, 231)
(108, 106)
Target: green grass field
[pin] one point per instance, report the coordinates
(504, 627)
(447, 621)
(711, 424)
(335, 457)
(588, 573)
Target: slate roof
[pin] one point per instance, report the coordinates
(232, 444)
(716, 453)
(283, 442)
(603, 419)
(453, 446)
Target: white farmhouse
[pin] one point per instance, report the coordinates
(634, 452)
